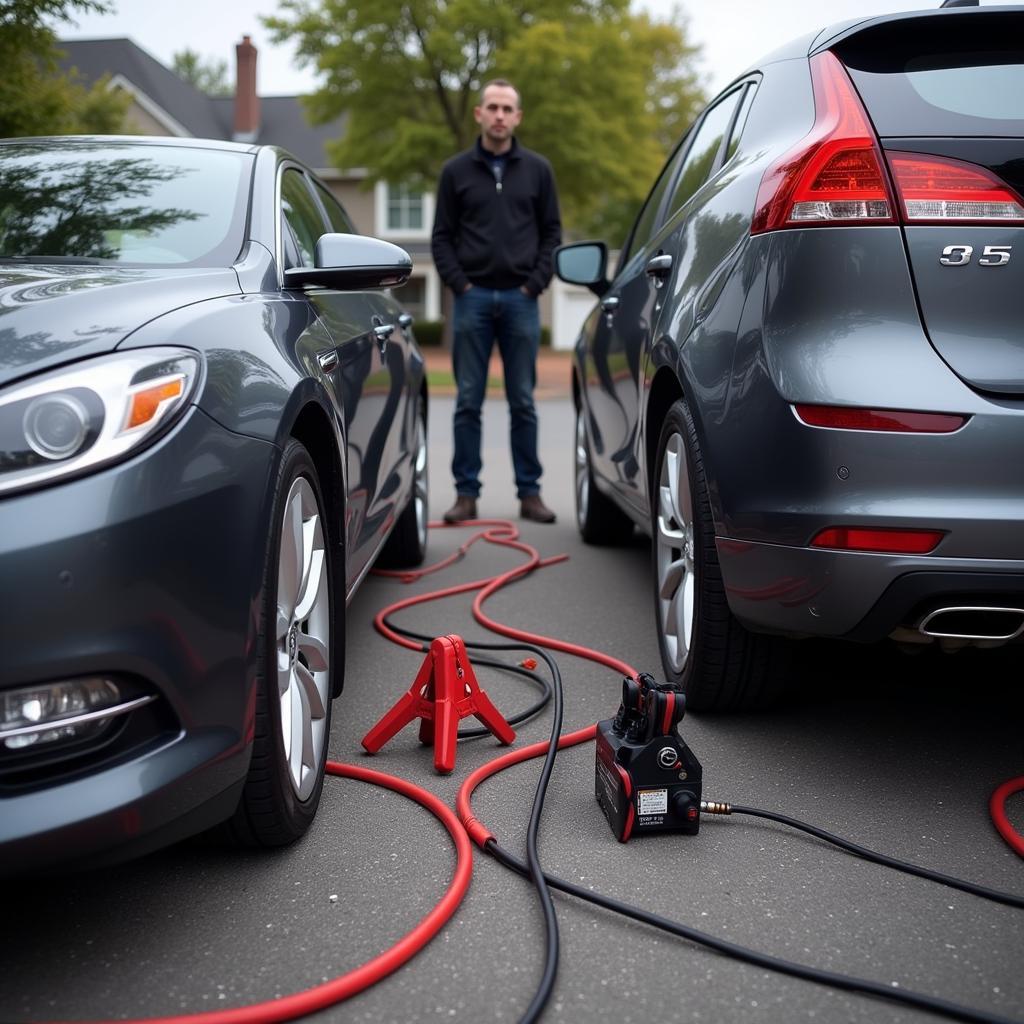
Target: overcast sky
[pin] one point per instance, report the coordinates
(733, 33)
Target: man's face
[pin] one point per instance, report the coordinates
(498, 113)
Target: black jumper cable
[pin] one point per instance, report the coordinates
(343, 987)
(489, 844)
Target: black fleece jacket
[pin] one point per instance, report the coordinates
(496, 234)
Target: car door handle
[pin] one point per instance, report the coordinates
(659, 266)
(328, 359)
(382, 332)
(405, 321)
(610, 304)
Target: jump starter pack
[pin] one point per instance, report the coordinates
(646, 778)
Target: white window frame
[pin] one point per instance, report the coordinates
(433, 303)
(431, 293)
(380, 215)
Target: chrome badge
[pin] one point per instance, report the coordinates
(960, 255)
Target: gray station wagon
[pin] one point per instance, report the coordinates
(805, 375)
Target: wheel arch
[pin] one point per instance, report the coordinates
(312, 429)
(665, 391)
(425, 399)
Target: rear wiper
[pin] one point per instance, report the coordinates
(84, 260)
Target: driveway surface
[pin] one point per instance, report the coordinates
(897, 753)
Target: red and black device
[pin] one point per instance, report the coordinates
(646, 778)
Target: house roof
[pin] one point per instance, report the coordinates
(185, 111)
(284, 123)
(185, 105)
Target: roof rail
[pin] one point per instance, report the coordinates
(960, 3)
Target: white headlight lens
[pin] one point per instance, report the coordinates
(92, 413)
(56, 426)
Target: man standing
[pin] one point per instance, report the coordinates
(496, 227)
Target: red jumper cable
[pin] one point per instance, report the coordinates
(349, 984)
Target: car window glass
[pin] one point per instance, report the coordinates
(123, 202)
(741, 120)
(335, 212)
(289, 246)
(942, 76)
(302, 214)
(703, 151)
(645, 222)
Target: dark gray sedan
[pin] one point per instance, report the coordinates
(805, 377)
(212, 423)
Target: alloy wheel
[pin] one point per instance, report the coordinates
(674, 540)
(303, 637)
(421, 483)
(582, 471)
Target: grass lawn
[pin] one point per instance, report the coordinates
(444, 379)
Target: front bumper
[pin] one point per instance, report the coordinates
(150, 571)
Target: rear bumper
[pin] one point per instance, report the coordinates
(854, 595)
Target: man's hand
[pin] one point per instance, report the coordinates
(526, 291)
(468, 288)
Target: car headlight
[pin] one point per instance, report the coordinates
(90, 414)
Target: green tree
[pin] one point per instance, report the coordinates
(208, 76)
(79, 208)
(605, 90)
(35, 99)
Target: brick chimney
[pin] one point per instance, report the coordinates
(247, 103)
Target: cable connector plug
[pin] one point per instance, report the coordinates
(715, 807)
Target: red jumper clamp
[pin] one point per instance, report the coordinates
(444, 691)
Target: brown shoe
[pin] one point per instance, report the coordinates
(463, 509)
(531, 507)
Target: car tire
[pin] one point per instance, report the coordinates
(600, 521)
(721, 665)
(295, 670)
(406, 546)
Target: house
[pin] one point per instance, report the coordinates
(165, 104)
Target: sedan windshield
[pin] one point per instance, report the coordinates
(85, 202)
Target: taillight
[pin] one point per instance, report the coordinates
(835, 174)
(936, 188)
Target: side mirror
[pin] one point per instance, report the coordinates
(583, 263)
(353, 263)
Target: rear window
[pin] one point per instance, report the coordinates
(956, 74)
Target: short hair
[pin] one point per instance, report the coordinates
(505, 84)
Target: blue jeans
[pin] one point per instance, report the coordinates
(483, 316)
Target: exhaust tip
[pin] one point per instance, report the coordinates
(973, 622)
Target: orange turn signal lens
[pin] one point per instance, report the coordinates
(894, 542)
(145, 404)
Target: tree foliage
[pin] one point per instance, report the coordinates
(35, 99)
(605, 91)
(80, 207)
(208, 76)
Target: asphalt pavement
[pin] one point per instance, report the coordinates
(897, 753)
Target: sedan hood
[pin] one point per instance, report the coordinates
(51, 315)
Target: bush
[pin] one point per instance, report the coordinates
(429, 333)
(545, 337)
